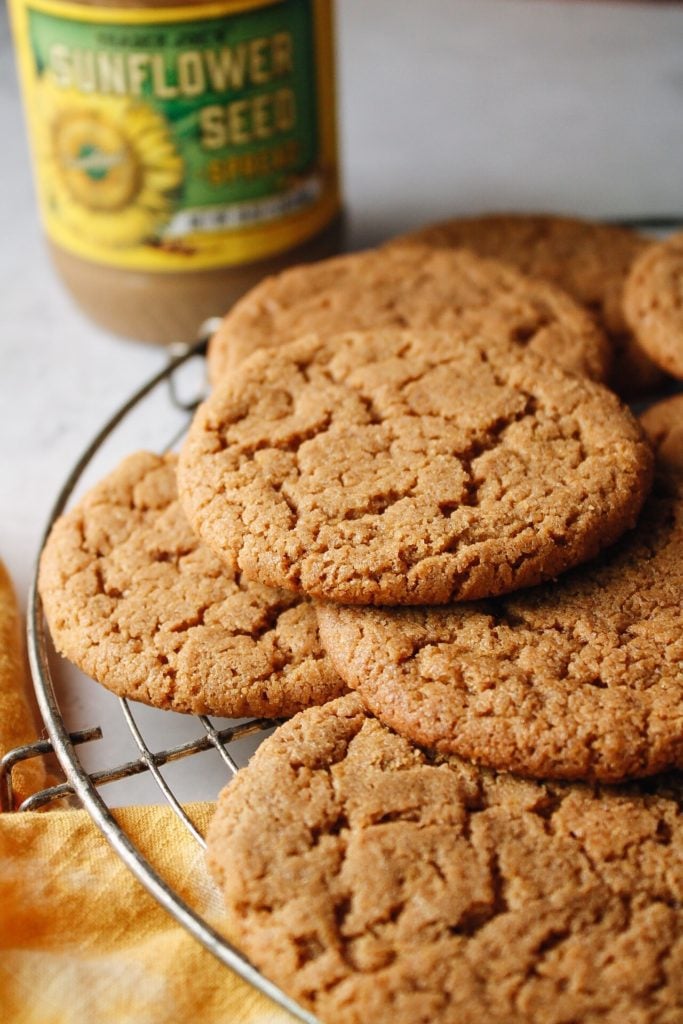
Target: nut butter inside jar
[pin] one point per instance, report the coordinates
(182, 150)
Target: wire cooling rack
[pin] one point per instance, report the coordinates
(149, 739)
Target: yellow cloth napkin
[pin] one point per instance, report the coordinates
(81, 941)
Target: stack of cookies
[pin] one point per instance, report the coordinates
(412, 516)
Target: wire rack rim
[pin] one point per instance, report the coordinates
(24, 753)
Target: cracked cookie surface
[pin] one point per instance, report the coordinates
(410, 467)
(140, 604)
(590, 261)
(376, 882)
(412, 287)
(580, 678)
(653, 303)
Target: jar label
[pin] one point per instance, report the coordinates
(180, 138)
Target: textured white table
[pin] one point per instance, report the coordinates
(446, 107)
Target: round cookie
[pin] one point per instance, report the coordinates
(376, 882)
(590, 261)
(137, 602)
(414, 287)
(653, 303)
(405, 467)
(579, 679)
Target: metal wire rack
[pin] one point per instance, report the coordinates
(85, 784)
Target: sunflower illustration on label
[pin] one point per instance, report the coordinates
(113, 171)
(180, 138)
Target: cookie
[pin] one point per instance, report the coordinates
(138, 603)
(404, 467)
(374, 881)
(663, 425)
(411, 287)
(579, 679)
(590, 261)
(653, 303)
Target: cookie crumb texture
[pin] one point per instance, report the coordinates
(415, 287)
(410, 467)
(136, 601)
(654, 303)
(374, 882)
(578, 679)
(590, 261)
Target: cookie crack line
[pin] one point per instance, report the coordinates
(482, 445)
(288, 444)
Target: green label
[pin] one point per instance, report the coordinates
(184, 127)
(238, 94)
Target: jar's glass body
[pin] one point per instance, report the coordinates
(181, 150)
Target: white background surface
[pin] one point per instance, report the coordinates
(445, 107)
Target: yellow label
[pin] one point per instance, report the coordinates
(180, 138)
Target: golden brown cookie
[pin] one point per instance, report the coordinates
(375, 882)
(404, 467)
(663, 425)
(136, 601)
(590, 261)
(410, 287)
(653, 303)
(580, 679)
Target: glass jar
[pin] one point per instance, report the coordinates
(181, 150)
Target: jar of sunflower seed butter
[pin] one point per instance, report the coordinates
(181, 150)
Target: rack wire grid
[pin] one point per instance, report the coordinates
(223, 740)
(149, 736)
